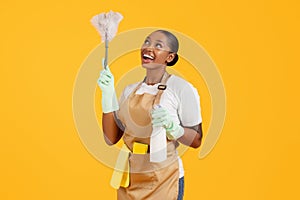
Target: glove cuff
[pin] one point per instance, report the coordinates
(175, 131)
(109, 103)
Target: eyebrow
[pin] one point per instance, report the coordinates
(160, 41)
(156, 40)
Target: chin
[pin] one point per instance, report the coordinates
(153, 65)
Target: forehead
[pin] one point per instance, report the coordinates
(158, 36)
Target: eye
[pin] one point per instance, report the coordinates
(147, 42)
(158, 45)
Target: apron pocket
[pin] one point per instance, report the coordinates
(142, 174)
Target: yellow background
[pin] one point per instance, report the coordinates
(254, 44)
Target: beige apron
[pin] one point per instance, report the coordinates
(147, 180)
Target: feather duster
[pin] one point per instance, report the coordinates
(107, 26)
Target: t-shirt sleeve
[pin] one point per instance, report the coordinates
(126, 92)
(122, 97)
(116, 113)
(189, 109)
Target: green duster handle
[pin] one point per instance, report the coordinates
(106, 52)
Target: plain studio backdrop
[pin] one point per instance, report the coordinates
(253, 43)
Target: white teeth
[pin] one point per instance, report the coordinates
(148, 56)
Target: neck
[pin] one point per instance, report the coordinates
(154, 76)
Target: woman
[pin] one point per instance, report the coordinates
(160, 100)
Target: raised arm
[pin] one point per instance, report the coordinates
(109, 102)
(112, 132)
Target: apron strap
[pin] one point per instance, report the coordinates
(161, 88)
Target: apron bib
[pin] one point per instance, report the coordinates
(148, 180)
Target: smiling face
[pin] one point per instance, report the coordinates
(156, 50)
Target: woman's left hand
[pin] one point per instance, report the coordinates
(161, 117)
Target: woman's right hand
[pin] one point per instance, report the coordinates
(106, 84)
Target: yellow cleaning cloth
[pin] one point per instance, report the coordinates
(140, 148)
(120, 175)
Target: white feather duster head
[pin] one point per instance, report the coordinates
(107, 24)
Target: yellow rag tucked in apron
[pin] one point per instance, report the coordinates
(120, 175)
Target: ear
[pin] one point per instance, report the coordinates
(170, 57)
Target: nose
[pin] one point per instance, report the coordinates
(148, 49)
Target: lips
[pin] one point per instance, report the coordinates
(147, 58)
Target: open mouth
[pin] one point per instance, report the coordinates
(147, 58)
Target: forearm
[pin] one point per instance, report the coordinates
(191, 137)
(112, 133)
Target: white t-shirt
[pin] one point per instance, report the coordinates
(180, 98)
